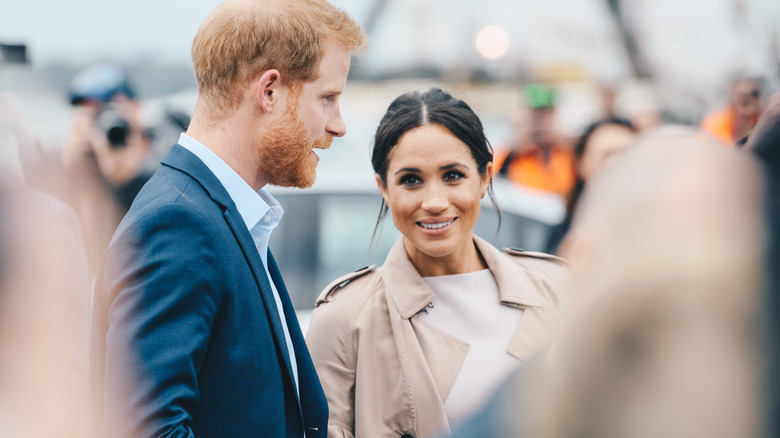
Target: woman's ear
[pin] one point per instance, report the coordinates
(382, 188)
(268, 88)
(488, 175)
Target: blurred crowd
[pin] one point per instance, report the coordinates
(670, 232)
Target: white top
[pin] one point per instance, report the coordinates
(468, 307)
(261, 214)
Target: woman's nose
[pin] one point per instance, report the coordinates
(435, 201)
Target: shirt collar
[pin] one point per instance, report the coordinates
(253, 206)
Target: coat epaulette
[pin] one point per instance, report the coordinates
(536, 254)
(341, 282)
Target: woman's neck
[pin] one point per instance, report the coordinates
(468, 259)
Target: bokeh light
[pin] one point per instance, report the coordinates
(492, 42)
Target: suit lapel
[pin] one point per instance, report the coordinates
(314, 405)
(185, 161)
(238, 226)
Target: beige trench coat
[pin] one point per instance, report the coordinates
(387, 373)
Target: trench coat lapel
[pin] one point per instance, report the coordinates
(519, 287)
(411, 294)
(430, 359)
(444, 354)
(419, 343)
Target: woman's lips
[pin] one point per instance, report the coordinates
(436, 228)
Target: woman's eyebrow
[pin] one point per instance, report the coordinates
(445, 167)
(407, 169)
(452, 166)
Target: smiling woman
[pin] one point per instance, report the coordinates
(434, 193)
(415, 347)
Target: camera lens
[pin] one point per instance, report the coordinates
(115, 126)
(117, 135)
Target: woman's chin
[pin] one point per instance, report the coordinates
(433, 250)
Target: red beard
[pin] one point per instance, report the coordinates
(285, 159)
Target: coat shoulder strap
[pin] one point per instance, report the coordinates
(517, 252)
(341, 282)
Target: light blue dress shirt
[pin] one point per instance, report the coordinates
(259, 210)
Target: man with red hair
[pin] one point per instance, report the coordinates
(194, 333)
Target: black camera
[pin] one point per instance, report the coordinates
(111, 121)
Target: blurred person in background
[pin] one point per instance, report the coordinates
(638, 102)
(734, 122)
(597, 148)
(414, 347)
(111, 152)
(608, 97)
(663, 337)
(45, 303)
(538, 158)
(19, 144)
(662, 334)
(194, 333)
(764, 141)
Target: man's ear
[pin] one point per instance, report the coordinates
(381, 186)
(268, 88)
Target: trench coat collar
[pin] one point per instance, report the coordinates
(411, 294)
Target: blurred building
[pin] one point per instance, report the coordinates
(684, 51)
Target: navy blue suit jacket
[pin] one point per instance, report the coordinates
(187, 340)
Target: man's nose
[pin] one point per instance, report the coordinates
(336, 126)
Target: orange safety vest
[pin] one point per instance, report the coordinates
(530, 169)
(721, 125)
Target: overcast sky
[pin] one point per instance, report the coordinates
(78, 31)
(694, 41)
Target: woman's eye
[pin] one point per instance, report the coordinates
(453, 175)
(409, 180)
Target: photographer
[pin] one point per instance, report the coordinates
(109, 154)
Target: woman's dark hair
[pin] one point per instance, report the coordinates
(579, 151)
(433, 107)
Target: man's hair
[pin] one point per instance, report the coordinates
(244, 38)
